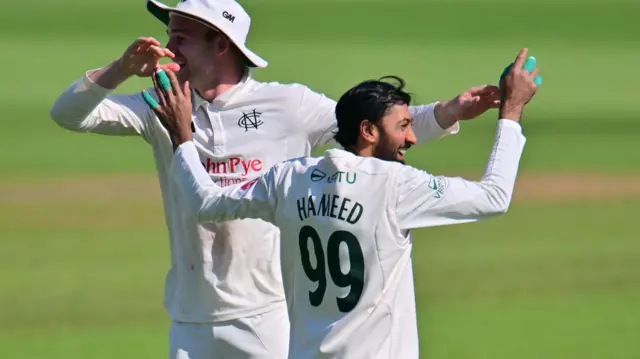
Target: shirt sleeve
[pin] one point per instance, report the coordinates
(211, 203)
(317, 112)
(425, 200)
(88, 107)
(425, 125)
(319, 119)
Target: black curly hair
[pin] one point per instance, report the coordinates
(369, 100)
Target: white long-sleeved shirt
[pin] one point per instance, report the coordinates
(345, 242)
(230, 269)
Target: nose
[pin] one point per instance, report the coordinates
(172, 46)
(411, 137)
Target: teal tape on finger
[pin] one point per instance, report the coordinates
(163, 79)
(538, 80)
(530, 64)
(150, 100)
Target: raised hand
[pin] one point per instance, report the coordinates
(173, 107)
(517, 87)
(468, 105)
(142, 57)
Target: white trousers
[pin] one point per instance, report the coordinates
(264, 336)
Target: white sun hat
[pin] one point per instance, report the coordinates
(225, 15)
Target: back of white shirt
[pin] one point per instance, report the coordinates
(345, 243)
(345, 263)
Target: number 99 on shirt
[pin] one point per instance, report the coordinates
(328, 267)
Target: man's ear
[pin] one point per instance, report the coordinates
(368, 131)
(223, 44)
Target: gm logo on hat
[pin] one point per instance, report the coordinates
(225, 15)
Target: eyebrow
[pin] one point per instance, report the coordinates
(176, 31)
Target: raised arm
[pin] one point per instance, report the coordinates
(210, 203)
(86, 106)
(430, 122)
(424, 200)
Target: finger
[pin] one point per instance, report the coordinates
(485, 90)
(494, 104)
(187, 90)
(520, 58)
(151, 102)
(161, 52)
(143, 43)
(152, 41)
(170, 67)
(142, 47)
(537, 80)
(530, 64)
(159, 92)
(534, 72)
(163, 80)
(493, 96)
(170, 91)
(174, 82)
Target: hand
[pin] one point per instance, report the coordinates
(467, 105)
(142, 57)
(174, 108)
(517, 88)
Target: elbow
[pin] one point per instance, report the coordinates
(499, 201)
(200, 215)
(64, 118)
(58, 116)
(501, 209)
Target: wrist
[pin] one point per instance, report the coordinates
(511, 111)
(444, 116)
(179, 139)
(110, 76)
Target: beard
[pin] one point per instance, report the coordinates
(387, 151)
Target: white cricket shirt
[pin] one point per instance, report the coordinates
(345, 243)
(231, 269)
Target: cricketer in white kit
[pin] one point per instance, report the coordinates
(345, 219)
(223, 290)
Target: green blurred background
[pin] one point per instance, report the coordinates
(84, 249)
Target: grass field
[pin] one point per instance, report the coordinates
(84, 250)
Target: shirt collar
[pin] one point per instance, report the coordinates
(224, 98)
(338, 152)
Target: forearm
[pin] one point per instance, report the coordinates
(431, 122)
(86, 106)
(194, 183)
(444, 116)
(210, 203)
(502, 166)
(427, 200)
(110, 76)
(72, 108)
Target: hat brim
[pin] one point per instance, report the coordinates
(163, 12)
